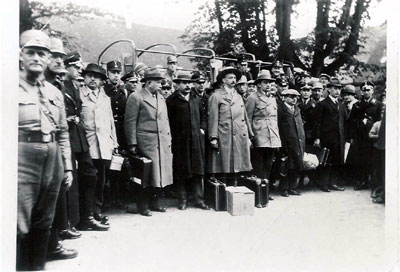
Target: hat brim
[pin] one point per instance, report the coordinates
(334, 84)
(102, 75)
(223, 73)
(151, 78)
(266, 79)
(177, 80)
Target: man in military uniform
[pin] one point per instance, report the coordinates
(44, 153)
(131, 81)
(363, 115)
(85, 173)
(172, 71)
(56, 251)
(187, 123)
(317, 90)
(307, 108)
(115, 89)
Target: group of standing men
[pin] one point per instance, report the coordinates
(73, 119)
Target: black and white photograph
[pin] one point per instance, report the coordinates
(199, 135)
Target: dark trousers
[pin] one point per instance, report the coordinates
(87, 180)
(196, 183)
(40, 173)
(148, 198)
(330, 175)
(262, 159)
(291, 181)
(101, 166)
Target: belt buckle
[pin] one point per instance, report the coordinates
(46, 138)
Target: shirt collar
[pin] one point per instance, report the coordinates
(333, 99)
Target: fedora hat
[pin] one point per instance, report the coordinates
(349, 89)
(94, 68)
(183, 76)
(335, 82)
(152, 74)
(243, 80)
(264, 75)
(228, 70)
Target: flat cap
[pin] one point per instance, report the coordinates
(290, 92)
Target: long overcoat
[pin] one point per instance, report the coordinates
(262, 112)
(307, 114)
(291, 130)
(147, 126)
(362, 116)
(98, 121)
(329, 128)
(186, 121)
(228, 122)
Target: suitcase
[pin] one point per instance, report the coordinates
(141, 169)
(260, 187)
(322, 153)
(215, 194)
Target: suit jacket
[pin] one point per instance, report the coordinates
(186, 119)
(329, 128)
(147, 127)
(292, 135)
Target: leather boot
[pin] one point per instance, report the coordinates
(38, 250)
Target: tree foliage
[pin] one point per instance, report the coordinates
(226, 25)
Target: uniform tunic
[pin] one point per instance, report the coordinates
(41, 164)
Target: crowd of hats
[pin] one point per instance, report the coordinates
(39, 39)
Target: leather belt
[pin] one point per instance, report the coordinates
(37, 137)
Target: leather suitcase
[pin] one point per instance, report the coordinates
(260, 187)
(322, 153)
(141, 169)
(215, 194)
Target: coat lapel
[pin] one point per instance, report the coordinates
(148, 98)
(331, 104)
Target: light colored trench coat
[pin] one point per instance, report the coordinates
(262, 112)
(98, 122)
(147, 126)
(227, 121)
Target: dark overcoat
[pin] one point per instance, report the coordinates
(118, 96)
(147, 127)
(291, 131)
(228, 122)
(362, 116)
(186, 122)
(329, 128)
(307, 114)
